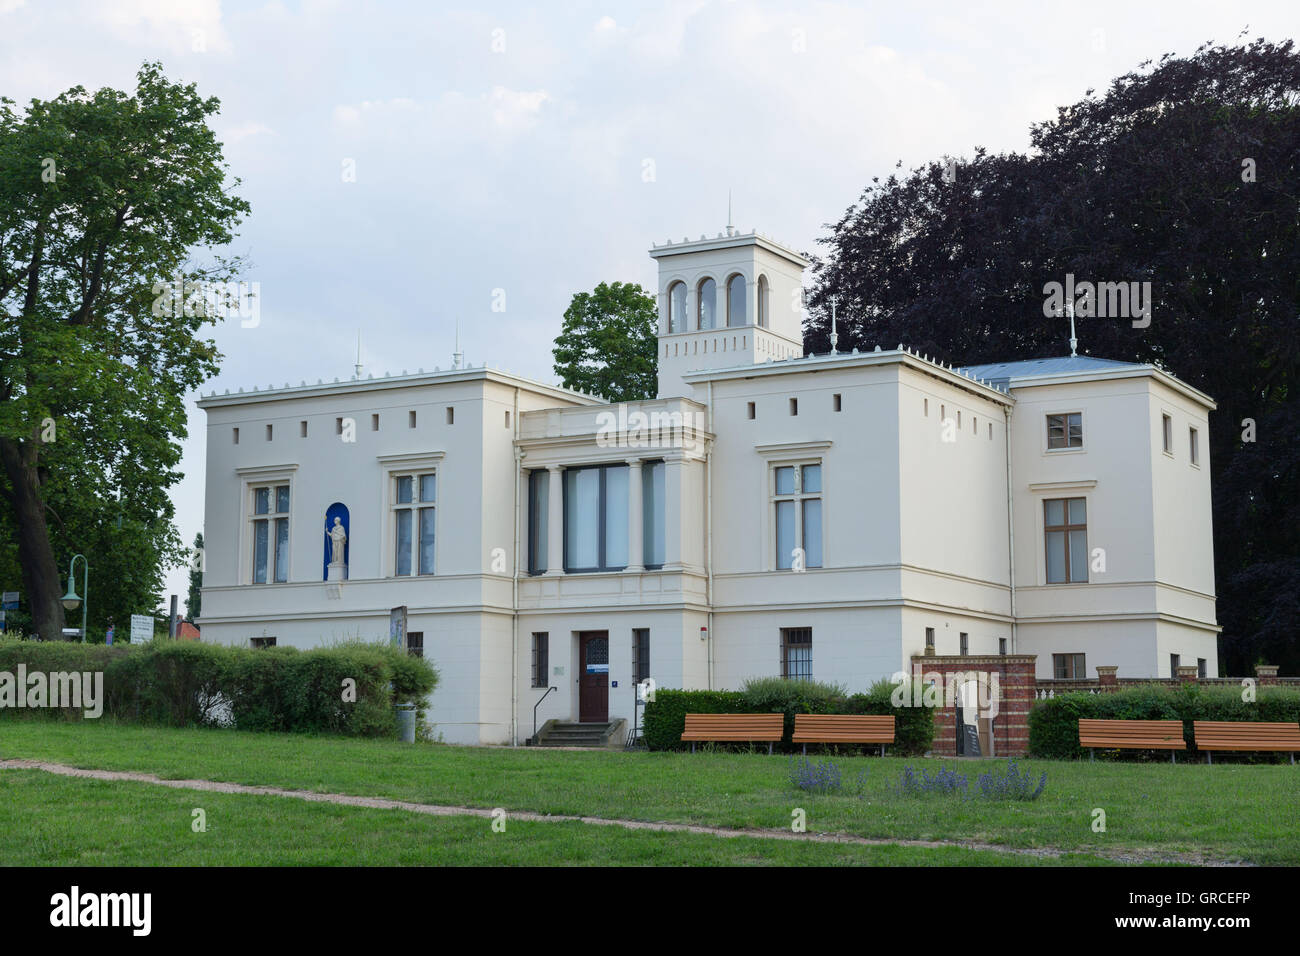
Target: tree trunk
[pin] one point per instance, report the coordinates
(35, 556)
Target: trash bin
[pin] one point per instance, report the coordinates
(406, 723)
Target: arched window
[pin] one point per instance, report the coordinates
(677, 307)
(736, 300)
(708, 295)
(762, 302)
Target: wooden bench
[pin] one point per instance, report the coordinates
(744, 728)
(1132, 735)
(843, 729)
(1212, 735)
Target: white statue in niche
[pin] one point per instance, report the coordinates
(338, 538)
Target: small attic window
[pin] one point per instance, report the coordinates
(410, 419)
(302, 429)
(235, 436)
(749, 411)
(269, 431)
(338, 426)
(925, 407)
(451, 415)
(507, 419)
(374, 422)
(835, 401)
(794, 406)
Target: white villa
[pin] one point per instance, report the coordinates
(769, 513)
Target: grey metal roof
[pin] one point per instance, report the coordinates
(1032, 368)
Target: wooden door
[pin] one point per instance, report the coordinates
(593, 677)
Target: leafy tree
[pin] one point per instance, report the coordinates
(104, 196)
(193, 600)
(608, 344)
(1185, 174)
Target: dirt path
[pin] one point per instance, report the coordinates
(380, 803)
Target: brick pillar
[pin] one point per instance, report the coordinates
(1106, 677)
(1266, 674)
(1187, 673)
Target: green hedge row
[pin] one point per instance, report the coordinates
(185, 683)
(1054, 723)
(665, 717)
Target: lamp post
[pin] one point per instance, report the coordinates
(70, 600)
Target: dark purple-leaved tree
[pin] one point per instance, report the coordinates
(1184, 174)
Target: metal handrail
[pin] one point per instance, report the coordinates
(535, 706)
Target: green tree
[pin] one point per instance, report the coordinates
(104, 198)
(607, 346)
(194, 599)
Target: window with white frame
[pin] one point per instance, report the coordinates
(797, 513)
(1065, 531)
(414, 504)
(269, 527)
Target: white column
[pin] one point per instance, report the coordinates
(635, 519)
(673, 506)
(555, 520)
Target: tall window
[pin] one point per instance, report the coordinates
(677, 307)
(640, 654)
(1167, 433)
(541, 655)
(539, 516)
(763, 318)
(708, 303)
(1068, 667)
(652, 506)
(414, 522)
(1065, 431)
(1194, 445)
(1065, 527)
(595, 518)
(797, 504)
(796, 652)
(270, 518)
(736, 300)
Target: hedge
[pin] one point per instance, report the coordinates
(665, 717)
(186, 684)
(1054, 723)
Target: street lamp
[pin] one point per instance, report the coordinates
(70, 600)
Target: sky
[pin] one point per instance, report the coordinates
(417, 166)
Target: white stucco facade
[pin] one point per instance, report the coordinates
(920, 498)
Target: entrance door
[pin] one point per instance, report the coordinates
(593, 678)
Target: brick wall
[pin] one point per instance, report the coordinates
(1015, 684)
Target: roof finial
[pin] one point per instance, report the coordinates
(457, 357)
(357, 367)
(1074, 343)
(835, 338)
(731, 229)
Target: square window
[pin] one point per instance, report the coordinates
(1065, 430)
(1068, 667)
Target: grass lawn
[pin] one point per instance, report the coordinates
(60, 821)
(1231, 812)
